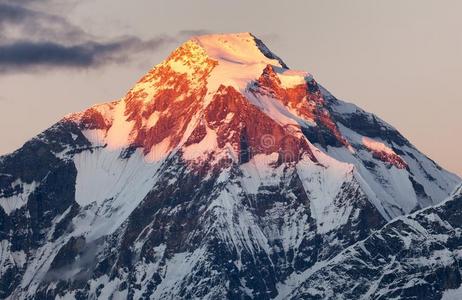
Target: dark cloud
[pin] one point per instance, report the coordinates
(36, 25)
(42, 40)
(22, 55)
(12, 13)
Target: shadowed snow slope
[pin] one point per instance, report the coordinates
(221, 174)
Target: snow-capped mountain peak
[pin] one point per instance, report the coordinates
(221, 174)
(175, 94)
(180, 105)
(228, 59)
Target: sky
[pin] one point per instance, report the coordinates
(401, 60)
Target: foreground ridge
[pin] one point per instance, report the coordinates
(411, 257)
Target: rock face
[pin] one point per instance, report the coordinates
(222, 174)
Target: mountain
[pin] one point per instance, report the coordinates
(221, 174)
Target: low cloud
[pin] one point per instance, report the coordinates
(35, 40)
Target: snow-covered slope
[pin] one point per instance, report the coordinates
(221, 174)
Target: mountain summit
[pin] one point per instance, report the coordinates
(221, 174)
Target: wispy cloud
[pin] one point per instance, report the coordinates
(35, 40)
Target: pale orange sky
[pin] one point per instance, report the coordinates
(401, 60)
